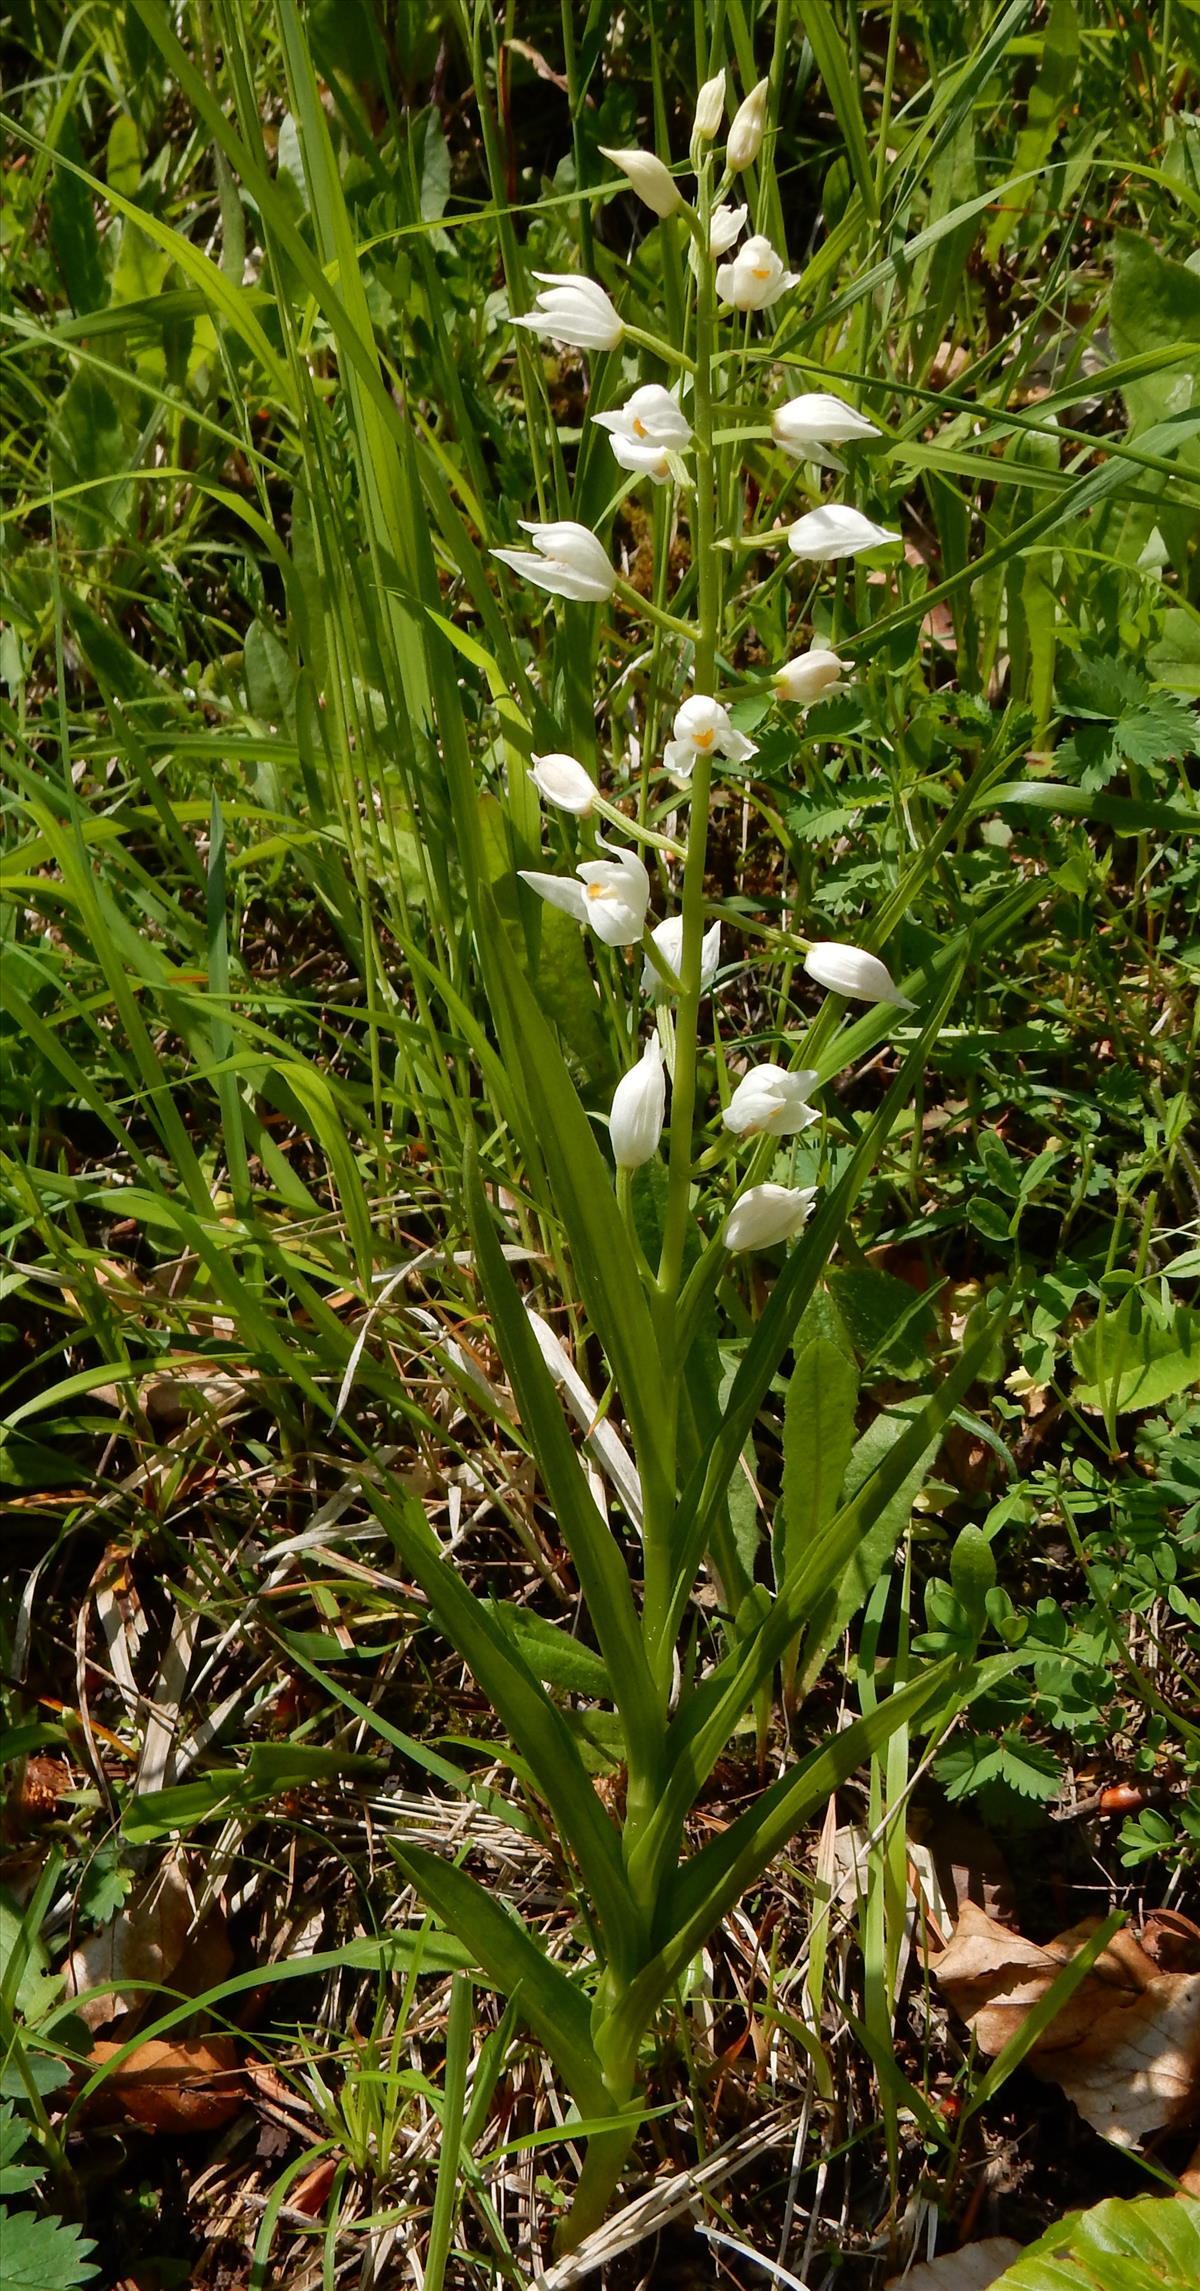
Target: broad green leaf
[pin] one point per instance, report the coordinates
(1126, 815)
(873, 1554)
(74, 238)
(553, 2007)
(818, 1435)
(1136, 1356)
(89, 462)
(1151, 2243)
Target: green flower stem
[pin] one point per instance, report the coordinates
(639, 604)
(634, 829)
(658, 348)
(683, 1096)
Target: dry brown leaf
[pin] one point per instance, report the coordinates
(971, 2269)
(191, 2085)
(1126, 2046)
(148, 1945)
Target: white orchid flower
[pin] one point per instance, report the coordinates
(766, 1214)
(649, 426)
(611, 896)
(725, 227)
(835, 530)
(638, 1109)
(710, 110)
(668, 938)
(564, 781)
(810, 675)
(655, 185)
(574, 310)
(746, 134)
(565, 559)
(755, 278)
(850, 970)
(772, 1100)
(702, 728)
(808, 424)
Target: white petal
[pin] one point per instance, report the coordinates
(558, 891)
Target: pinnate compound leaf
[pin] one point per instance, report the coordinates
(1125, 722)
(1151, 2243)
(43, 2254)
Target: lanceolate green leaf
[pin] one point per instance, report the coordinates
(708, 1885)
(707, 1720)
(872, 1555)
(829, 48)
(602, 1258)
(554, 2009)
(525, 1710)
(602, 1573)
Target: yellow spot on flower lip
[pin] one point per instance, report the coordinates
(595, 890)
(639, 427)
(763, 273)
(702, 739)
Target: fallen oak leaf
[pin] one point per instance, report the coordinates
(1125, 2047)
(194, 2084)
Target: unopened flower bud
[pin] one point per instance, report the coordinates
(638, 1107)
(563, 780)
(746, 134)
(843, 969)
(809, 676)
(655, 185)
(767, 1214)
(710, 110)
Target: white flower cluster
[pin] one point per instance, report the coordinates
(649, 434)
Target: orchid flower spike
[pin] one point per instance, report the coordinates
(765, 1214)
(638, 1109)
(565, 559)
(843, 969)
(772, 1100)
(756, 277)
(835, 530)
(668, 938)
(573, 310)
(702, 728)
(611, 896)
(648, 427)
